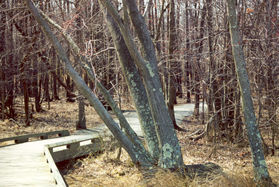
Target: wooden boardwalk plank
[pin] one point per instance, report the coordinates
(24, 165)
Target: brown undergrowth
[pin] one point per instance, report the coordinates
(61, 115)
(235, 159)
(105, 170)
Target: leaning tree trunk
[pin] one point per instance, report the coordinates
(260, 168)
(136, 88)
(86, 65)
(137, 153)
(108, 98)
(170, 156)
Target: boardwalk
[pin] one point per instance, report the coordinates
(33, 163)
(24, 165)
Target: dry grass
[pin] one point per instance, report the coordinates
(61, 115)
(106, 170)
(235, 159)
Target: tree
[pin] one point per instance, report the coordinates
(81, 123)
(139, 67)
(136, 88)
(214, 99)
(186, 66)
(271, 60)
(2, 60)
(172, 63)
(172, 66)
(260, 168)
(170, 153)
(197, 66)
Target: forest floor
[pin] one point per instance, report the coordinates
(106, 170)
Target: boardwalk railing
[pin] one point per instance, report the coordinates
(74, 148)
(70, 149)
(42, 136)
(58, 178)
(67, 147)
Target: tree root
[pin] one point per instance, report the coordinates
(207, 170)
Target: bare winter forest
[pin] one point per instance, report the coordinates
(73, 64)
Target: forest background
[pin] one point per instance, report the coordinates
(194, 58)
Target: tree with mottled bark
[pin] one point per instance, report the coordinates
(170, 154)
(260, 167)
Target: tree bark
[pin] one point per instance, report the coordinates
(23, 69)
(54, 75)
(187, 63)
(170, 156)
(3, 64)
(260, 168)
(214, 98)
(197, 72)
(35, 84)
(136, 88)
(271, 60)
(172, 66)
(11, 72)
(81, 123)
